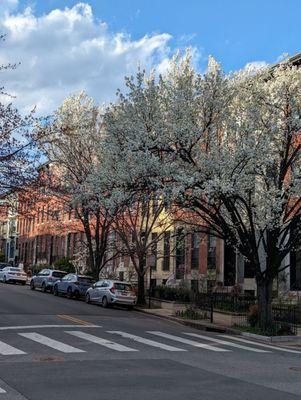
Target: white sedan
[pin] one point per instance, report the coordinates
(12, 274)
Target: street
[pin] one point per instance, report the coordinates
(55, 348)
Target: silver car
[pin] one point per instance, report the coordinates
(108, 292)
(12, 274)
(45, 279)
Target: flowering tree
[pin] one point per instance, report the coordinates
(18, 155)
(70, 146)
(228, 149)
(130, 169)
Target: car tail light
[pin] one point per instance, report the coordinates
(112, 289)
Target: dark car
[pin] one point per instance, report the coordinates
(73, 285)
(45, 279)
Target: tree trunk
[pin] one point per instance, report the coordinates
(141, 292)
(264, 293)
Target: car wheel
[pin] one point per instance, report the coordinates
(76, 294)
(44, 289)
(87, 298)
(69, 292)
(23, 283)
(105, 302)
(55, 291)
(32, 286)
(4, 279)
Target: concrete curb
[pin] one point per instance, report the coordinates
(203, 326)
(272, 339)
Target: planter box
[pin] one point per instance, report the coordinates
(168, 305)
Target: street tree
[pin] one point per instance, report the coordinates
(143, 215)
(70, 145)
(227, 148)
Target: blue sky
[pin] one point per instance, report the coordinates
(234, 31)
(65, 46)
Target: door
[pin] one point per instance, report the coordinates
(38, 279)
(97, 291)
(63, 284)
(45, 276)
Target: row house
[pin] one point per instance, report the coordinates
(42, 232)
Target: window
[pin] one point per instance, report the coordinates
(249, 270)
(153, 261)
(166, 251)
(194, 285)
(195, 250)
(123, 287)
(180, 254)
(58, 274)
(295, 261)
(211, 254)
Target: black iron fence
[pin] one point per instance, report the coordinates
(284, 320)
(244, 310)
(224, 302)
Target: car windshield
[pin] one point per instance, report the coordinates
(123, 286)
(15, 270)
(57, 274)
(85, 280)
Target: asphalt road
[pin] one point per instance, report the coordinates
(52, 348)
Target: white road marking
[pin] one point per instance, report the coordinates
(261, 344)
(146, 341)
(225, 342)
(8, 328)
(54, 344)
(187, 341)
(101, 341)
(7, 350)
(2, 391)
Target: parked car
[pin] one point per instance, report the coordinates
(108, 292)
(45, 279)
(12, 274)
(73, 285)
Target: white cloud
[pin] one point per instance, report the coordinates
(255, 65)
(68, 50)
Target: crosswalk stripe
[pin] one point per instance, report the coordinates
(261, 344)
(7, 350)
(101, 341)
(225, 342)
(19, 327)
(2, 391)
(187, 341)
(146, 341)
(54, 344)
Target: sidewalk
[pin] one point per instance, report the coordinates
(220, 325)
(203, 325)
